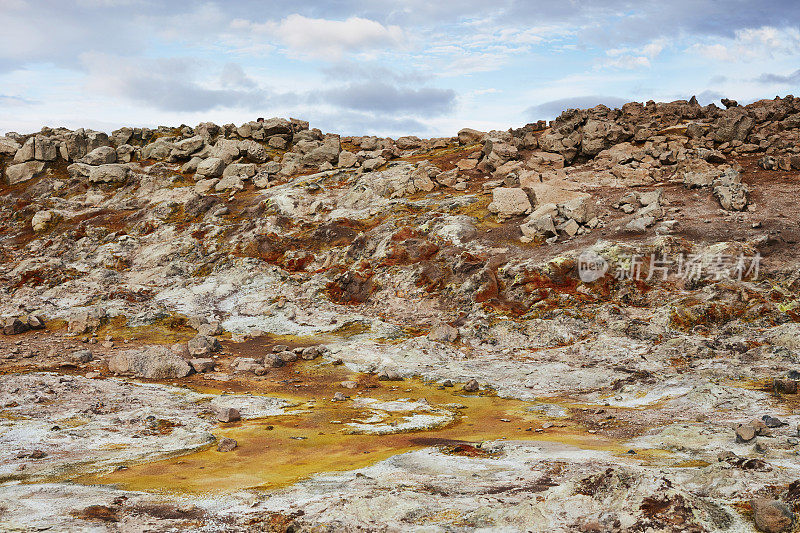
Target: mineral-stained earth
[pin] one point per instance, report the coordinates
(584, 325)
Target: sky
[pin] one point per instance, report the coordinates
(381, 67)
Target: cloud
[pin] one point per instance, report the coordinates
(324, 38)
(9, 100)
(233, 76)
(791, 78)
(553, 108)
(708, 96)
(373, 71)
(383, 97)
(752, 44)
(168, 84)
(359, 123)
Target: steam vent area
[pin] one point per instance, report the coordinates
(589, 324)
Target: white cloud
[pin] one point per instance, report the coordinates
(323, 38)
(630, 58)
(752, 44)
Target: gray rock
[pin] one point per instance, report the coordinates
(81, 356)
(580, 209)
(772, 516)
(228, 414)
(640, 225)
(213, 167)
(100, 156)
(45, 149)
(239, 170)
(443, 333)
(86, 320)
(154, 362)
(539, 227)
(226, 444)
(109, 173)
(203, 345)
(210, 330)
(471, 386)
(225, 149)
(187, 147)
(23, 171)
(469, 136)
(26, 152)
(509, 202)
(201, 365)
(14, 326)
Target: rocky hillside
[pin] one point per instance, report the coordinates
(596, 319)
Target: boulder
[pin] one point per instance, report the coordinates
(278, 126)
(227, 150)
(109, 173)
(44, 149)
(328, 152)
(443, 333)
(9, 146)
(408, 142)
(226, 444)
(14, 326)
(254, 151)
(23, 171)
(228, 414)
(229, 182)
(772, 516)
(469, 136)
(213, 167)
(730, 191)
(187, 147)
(508, 202)
(26, 152)
(100, 156)
(240, 170)
(42, 219)
(81, 356)
(86, 320)
(203, 345)
(539, 227)
(347, 159)
(580, 209)
(697, 173)
(734, 125)
(471, 386)
(154, 362)
(201, 365)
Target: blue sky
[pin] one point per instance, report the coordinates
(380, 67)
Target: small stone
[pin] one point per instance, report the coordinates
(443, 333)
(745, 433)
(471, 386)
(14, 326)
(203, 345)
(226, 444)
(772, 422)
(81, 356)
(228, 414)
(349, 384)
(771, 516)
(389, 375)
(201, 365)
(339, 397)
(211, 329)
(785, 386)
